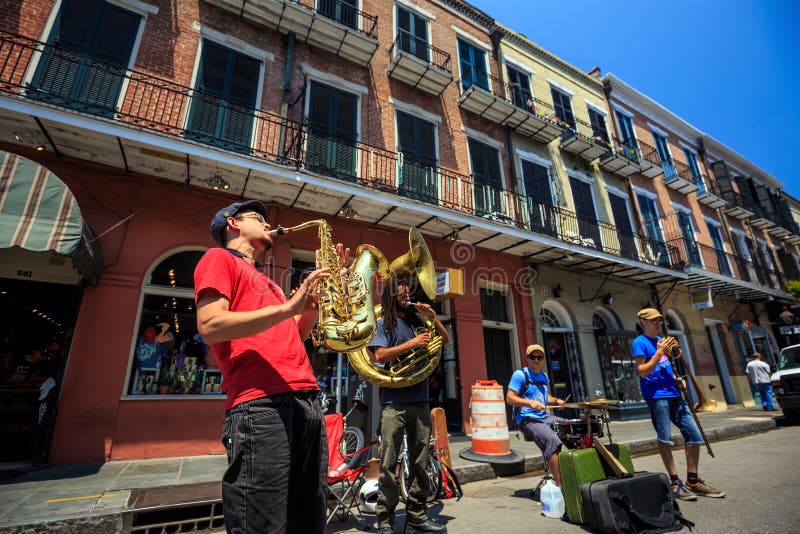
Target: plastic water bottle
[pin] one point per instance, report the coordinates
(552, 500)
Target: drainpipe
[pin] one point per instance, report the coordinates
(287, 89)
(607, 89)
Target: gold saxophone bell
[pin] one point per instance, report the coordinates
(346, 316)
(417, 364)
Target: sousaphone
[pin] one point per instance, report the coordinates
(417, 364)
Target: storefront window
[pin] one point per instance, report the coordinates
(620, 380)
(169, 356)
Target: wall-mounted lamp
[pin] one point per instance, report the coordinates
(558, 291)
(217, 182)
(39, 148)
(608, 300)
(348, 212)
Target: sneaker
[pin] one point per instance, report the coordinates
(701, 488)
(682, 492)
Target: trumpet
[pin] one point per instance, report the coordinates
(704, 404)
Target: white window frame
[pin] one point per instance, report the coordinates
(487, 50)
(509, 327)
(427, 15)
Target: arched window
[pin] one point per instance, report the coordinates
(548, 319)
(169, 357)
(598, 323)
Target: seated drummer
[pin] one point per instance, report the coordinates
(528, 391)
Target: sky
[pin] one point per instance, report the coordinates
(730, 68)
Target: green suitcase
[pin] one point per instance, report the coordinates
(579, 466)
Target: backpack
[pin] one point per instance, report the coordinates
(521, 393)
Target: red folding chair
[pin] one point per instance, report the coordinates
(345, 473)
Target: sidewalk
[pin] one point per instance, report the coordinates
(119, 496)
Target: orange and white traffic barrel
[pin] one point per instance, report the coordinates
(490, 441)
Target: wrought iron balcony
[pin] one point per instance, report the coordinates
(651, 163)
(333, 25)
(417, 63)
(679, 176)
(582, 140)
(708, 192)
(623, 158)
(725, 272)
(757, 199)
(735, 204)
(148, 103)
(509, 105)
(81, 84)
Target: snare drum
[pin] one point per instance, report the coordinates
(577, 433)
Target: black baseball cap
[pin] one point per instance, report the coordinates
(220, 220)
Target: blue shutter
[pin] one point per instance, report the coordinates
(91, 47)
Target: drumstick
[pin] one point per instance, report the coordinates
(567, 397)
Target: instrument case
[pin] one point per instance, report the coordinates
(579, 466)
(633, 502)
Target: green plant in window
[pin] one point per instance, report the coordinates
(793, 287)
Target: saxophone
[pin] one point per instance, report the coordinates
(347, 319)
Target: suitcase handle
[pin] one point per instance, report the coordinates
(665, 519)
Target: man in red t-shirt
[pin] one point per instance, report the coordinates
(274, 432)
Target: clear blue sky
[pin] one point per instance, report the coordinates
(731, 68)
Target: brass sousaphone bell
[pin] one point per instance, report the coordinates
(417, 364)
(417, 261)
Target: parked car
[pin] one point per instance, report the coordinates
(786, 381)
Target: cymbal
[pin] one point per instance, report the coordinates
(599, 404)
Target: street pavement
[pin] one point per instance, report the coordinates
(758, 474)
(94, 498)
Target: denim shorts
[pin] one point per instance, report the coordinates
(662, 411)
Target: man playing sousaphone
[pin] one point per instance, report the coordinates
(659, 385)
(404, 410)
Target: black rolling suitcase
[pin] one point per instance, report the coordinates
(632, 503)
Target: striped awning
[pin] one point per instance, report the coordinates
(39, 213)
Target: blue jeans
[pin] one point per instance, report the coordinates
(277, 465)
(675, 410)
(765, 390)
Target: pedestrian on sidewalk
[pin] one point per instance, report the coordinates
(659, 385)
(273, 432)
(758, 372)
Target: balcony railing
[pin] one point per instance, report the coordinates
(582, 139)
(419, 64)
(718, 261)
(336, 26)
(345, 13)
(679, 176)
(422, 50)
(159, 105)
(509, 105)
(80, 83)
(708, 192)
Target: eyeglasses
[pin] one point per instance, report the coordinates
(534, 357)
(253, 215)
